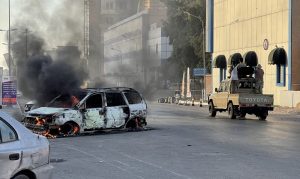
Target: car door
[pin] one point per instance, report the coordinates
(224, 96)
(217, 100)
(93, 116)
(220, 98)
(117, 110)
(136, 103)
(10, 150)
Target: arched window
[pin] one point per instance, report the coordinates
(235, 59)
(278, 57)
(220, 62)
(251, 59)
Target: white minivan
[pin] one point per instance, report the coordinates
(23, 154)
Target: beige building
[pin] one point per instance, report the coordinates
(262, 32)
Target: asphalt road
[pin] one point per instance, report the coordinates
(184, 143)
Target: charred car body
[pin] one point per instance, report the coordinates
(89, 110)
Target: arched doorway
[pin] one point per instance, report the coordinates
(251, 59)
(278, 57)
(235, 59)
(220, 62)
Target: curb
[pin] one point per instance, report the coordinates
(192, 103)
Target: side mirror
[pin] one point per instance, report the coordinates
(216, 90)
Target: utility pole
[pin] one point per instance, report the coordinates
(9, 53)
(86, 28)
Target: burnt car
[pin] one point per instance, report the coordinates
(89, 110)
(29, 106)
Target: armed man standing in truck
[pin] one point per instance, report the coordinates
(234, 76)
(259, 78)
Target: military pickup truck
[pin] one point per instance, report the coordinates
(241, 99)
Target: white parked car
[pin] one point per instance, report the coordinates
(23, 154)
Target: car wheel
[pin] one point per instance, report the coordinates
(134, 125)
(211, 108)
(231, 112)
(69, 128)
(21, 176)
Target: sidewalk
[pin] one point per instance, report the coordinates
(286, 110)
(192, 103)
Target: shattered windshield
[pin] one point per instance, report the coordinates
(67, 100)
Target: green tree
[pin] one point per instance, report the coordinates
(185, 32)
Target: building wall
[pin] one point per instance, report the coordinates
(159, 50)
(134, 50)
(95, 50)
(159, 45)
(123, 51)
(295, 60)
(104, 13)
(243, 25)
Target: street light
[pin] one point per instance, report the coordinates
(203, 38)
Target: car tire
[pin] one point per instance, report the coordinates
(231, 112)
(21, 176)
(211, 109)
(70, 128)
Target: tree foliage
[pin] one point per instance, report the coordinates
(185, 32)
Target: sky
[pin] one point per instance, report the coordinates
(41, 10)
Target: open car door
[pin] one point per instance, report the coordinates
(117, 111)
(93, 116)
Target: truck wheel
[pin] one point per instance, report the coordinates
(211, 108)
(243, 115)
(263, 116)
(231, 113)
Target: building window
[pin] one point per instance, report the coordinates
(222, 74)
(280, 80)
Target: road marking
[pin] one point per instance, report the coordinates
(101, 160)
(153, 165)
(122, 163)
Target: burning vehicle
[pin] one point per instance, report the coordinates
(89, 110)
(29, 106)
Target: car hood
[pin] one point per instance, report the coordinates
(47, 111)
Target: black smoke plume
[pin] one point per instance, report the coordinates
(43, 75)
